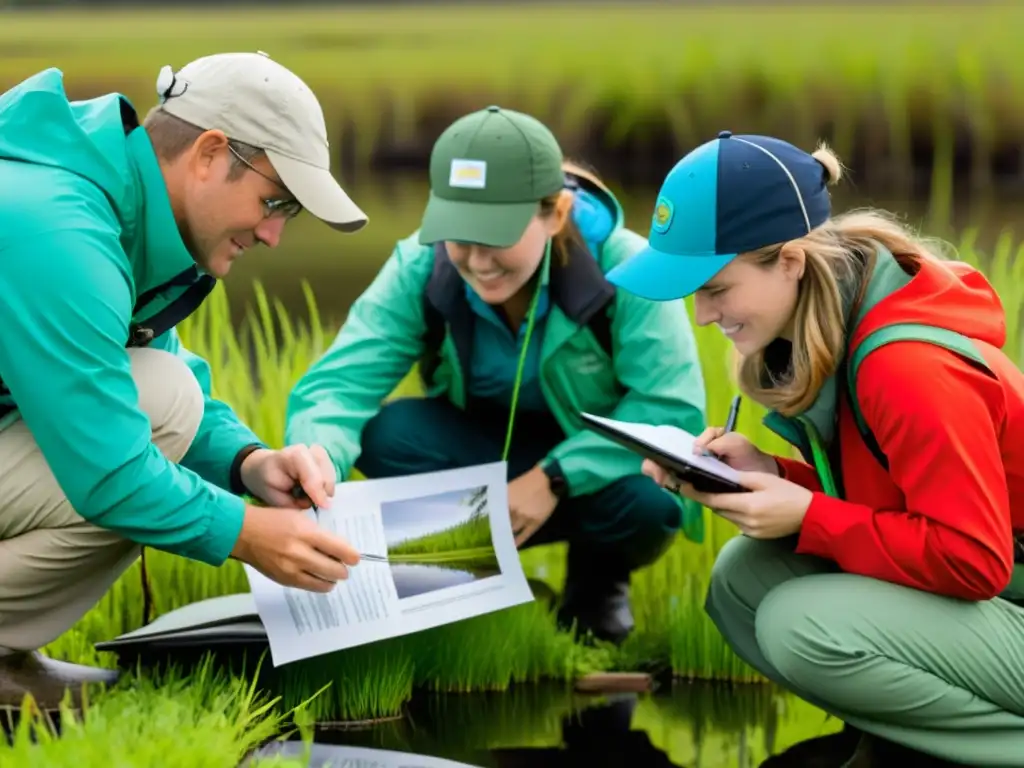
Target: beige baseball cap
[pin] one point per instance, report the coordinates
(255, 100)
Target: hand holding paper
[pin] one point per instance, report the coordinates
(446, 553)
(271, 475)
(439, 546)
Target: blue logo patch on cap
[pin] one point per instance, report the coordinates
(663, 213)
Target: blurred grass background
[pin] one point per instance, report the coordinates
(925, 104)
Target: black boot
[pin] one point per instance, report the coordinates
(596, 598)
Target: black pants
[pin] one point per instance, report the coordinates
(626, 525)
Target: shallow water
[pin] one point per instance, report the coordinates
(548, 725)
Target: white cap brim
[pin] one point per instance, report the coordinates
(319, 193)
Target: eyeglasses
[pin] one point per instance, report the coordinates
(287, 208)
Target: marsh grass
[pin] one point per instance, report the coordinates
(467, 536)
(494, 651)
(364, 683)
(204, 719)
(481, 556)
(519, 645)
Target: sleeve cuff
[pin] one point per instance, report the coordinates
(817, 533)
(222, 532)
(556, 478)
(798, 472)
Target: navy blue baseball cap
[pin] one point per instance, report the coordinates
(732, 195)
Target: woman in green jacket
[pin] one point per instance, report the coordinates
(501, 300)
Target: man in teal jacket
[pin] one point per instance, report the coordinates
(501, 299)
(111, 233)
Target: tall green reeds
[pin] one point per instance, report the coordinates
(255, 367)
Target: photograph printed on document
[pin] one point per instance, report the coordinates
(438, 541)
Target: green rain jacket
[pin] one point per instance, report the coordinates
(91, 262)
(654, 375)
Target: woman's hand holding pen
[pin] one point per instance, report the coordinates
(730, 448)
(736, 450)
(726, 445)
(772, 508)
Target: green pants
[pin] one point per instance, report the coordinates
(936, 674)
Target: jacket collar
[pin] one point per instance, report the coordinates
(578, 287)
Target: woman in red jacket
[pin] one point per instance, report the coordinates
(876, 578)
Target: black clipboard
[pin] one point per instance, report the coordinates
(703, 478)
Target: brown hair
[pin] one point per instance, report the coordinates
(171, 137)
(569, 236)
(839, 258)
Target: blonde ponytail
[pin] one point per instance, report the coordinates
(830, 161)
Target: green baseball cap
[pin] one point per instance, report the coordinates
(488, 172)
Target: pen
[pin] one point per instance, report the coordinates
(734, 412)
(299, 493)
(730, 423)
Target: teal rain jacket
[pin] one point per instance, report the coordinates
(91, 262)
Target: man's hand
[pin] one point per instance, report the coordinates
(530, 503)
(773, 509)
(288, 547)
(272, 475)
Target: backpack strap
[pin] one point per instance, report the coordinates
(600, 324)
(942, 337)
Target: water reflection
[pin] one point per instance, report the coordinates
(550, 725)
(413, 579)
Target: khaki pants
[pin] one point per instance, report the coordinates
(943, 676)
(54, 566)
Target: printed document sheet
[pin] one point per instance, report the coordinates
(450, 555)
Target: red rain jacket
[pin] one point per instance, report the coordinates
(940, 518)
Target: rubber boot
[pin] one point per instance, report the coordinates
(45, 679)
